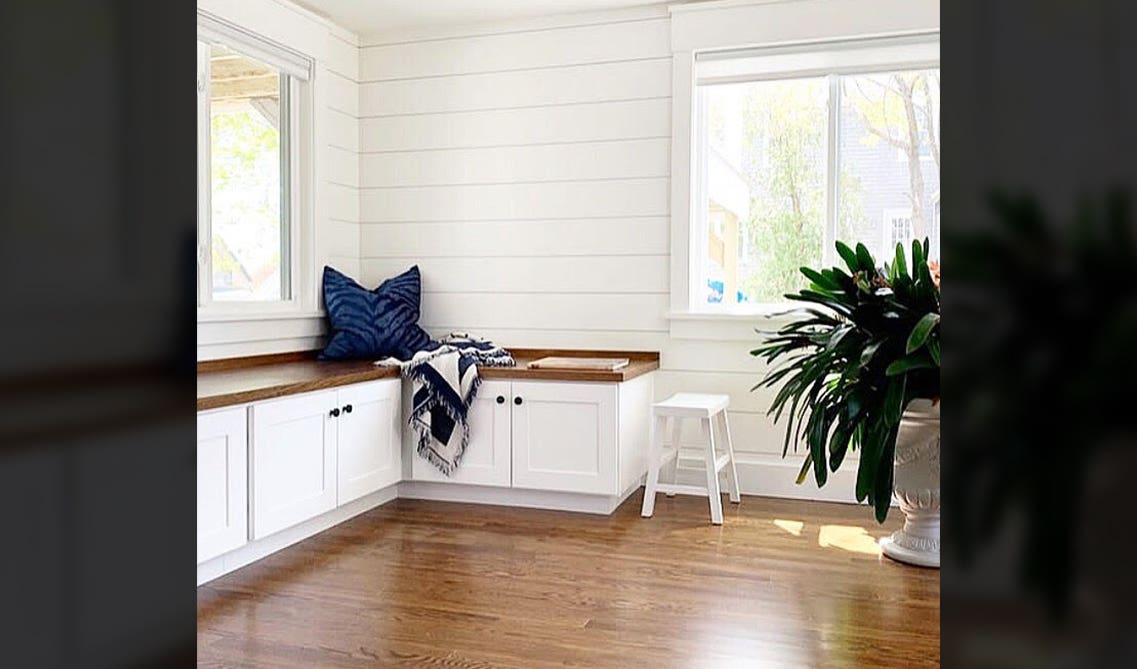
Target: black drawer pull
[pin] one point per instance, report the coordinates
(347, 408)
(335, 413)
(500, 399)
(517, 401)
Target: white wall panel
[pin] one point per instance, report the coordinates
(566, 199)
(546, 162)
(606, 120)
(580, 274)
(517, 50)
(473, 311)
(624, 80)
(555, 237)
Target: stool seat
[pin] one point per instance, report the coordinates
(692, 405)
(710, 412)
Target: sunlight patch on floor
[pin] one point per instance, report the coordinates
(791, 526)
(849, 538)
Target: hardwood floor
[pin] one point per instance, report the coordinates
(431, 584)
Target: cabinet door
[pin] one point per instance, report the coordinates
(370, 453)
(294, 460)
(486, 460)
(222, 482)
(564, 436)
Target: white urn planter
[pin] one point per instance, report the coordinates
(916, 487)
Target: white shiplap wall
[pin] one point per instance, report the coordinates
(334, 235)
(525, 168)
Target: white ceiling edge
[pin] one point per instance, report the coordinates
(521, 24)
(409, 24)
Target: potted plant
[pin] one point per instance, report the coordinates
(860, 371)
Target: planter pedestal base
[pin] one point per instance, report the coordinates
(916, 487)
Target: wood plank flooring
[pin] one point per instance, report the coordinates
(430, 584)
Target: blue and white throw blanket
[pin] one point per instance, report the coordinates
(444, 381)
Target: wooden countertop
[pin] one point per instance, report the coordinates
(222, 383)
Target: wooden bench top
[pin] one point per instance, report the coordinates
(232, 381)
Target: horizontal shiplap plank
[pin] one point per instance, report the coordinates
(611, 274)
(712, 356)
(528, 88)
(340, 93)
(487, 53)
(633, 119)
(549, 162)
(736, 385)
(569, 199)
(749, 432)
(594, 340)
(341, 166)
(339, 129)
(340, 238)
(340, 202)
(472, 311)
(342, 56)
(345, 264)
(597, 236)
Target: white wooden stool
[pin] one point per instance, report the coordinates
(710, 410)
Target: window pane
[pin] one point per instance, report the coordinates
(889, 160)
(248, 232)
(764, 187)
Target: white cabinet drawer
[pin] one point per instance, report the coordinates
(222, 482)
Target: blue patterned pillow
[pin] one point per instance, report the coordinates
(366, 324)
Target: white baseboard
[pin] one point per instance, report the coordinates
(255, 550)
(763, 475)
(529, 499)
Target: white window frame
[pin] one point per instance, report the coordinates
(296, 115)
(757, 25)
(819, 61)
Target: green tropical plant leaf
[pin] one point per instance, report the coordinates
(863, 344)
(865, 263)
(909, 363)
(920, 333)
(849, 256)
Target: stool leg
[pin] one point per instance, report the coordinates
(731, 470)
(654, 455)
(676, 429)
(713, 493)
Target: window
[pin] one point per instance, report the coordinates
(796, 147)
(248, 91)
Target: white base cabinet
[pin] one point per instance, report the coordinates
(551, 436)
(293, 460)
(486, 460)
(222, 480)
(565, 437)
(369, 453)
(316, 451)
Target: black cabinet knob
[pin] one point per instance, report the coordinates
(347, 408)
(501, 399)
(335, 413)
(517, 401)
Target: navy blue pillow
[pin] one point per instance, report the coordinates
(373, 324)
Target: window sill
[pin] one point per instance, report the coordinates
(239, 315)
(735, 325)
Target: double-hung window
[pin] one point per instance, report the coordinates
(796, 147)
(248, 210)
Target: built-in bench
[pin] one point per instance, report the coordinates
(288, 445)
